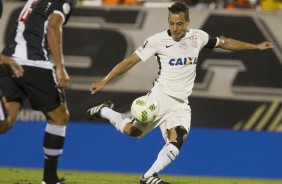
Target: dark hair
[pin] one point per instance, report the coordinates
(178, 7)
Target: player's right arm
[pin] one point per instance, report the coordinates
(16, 69)
(119, 69)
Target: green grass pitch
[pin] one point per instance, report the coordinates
(33, 176)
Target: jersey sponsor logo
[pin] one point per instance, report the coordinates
(183, 61)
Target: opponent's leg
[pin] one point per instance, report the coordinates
(8, 115)
(169, 152)
(53, 143)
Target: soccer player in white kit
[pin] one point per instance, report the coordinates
(176, 51)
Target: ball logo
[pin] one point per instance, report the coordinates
(152, 107)
(140, 102)
(144, 116)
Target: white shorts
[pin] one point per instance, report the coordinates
(172, 113)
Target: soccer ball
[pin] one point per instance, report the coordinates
(144, 109)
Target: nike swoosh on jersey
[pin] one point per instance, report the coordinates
(167, 46)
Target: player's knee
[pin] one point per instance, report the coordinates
(4, 127)
(60, 120)
(65, 117)
(181, 137)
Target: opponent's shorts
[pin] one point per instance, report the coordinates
(37, 84)
(172, 113)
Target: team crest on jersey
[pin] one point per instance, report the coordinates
(194, 42)
(66, 8)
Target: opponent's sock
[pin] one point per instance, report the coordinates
(118, 120)
(165, 157)
(53, 148)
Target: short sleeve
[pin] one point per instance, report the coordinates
(147, 49)
(63, 7)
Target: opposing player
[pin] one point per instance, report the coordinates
(39, 31)
(176, 51)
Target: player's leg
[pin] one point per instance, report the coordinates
(45, 97)
(4, 124)
(120, 121)
(167, 155)
(170, 151)
(53, 142)
(175, 125)
(11, 98)
(9, 119)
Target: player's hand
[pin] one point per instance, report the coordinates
(95, 87)
(265, 45)
(62, 77)
(16, 69)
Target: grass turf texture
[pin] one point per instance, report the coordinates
(33, 176)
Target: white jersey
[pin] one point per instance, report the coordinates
(177, 60)
(29, 45)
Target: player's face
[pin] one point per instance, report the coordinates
(177, 25)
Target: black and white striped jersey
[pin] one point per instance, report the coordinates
(29, 45)
(177, 60)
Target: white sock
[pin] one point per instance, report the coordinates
(165, 157)
(118, 120)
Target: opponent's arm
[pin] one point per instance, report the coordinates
(119, 69)
(232, 44)
(16, 69)
(54, 37)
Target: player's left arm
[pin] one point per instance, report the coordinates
(236, 45)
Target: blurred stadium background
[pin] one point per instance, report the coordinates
(236, 103)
